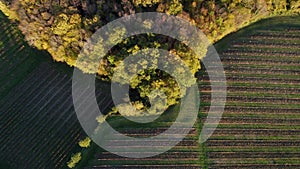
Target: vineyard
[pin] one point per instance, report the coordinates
(261, 124)
(39, 128)
(185, 154)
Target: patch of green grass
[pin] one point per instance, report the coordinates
(256, 149)
(248, 136)
(258, 126)
(262, 115)
(166, 119)
(259, 161)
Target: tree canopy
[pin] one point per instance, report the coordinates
(62, 27)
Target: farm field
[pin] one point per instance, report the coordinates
(39, 128)
(260, 127)
(186, 154)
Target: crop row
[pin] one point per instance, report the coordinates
(253, 143)
(247, 91)
(263, 38)
(257, 45)
(272, 62)
(254, 80)
(261, 109)
(252, 155)
(245, 99)
(262, 71)
(261, 54)
(267, 40)
(277, 33)
(260, 132)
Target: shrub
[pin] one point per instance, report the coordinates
(85, 143)
(74, 160)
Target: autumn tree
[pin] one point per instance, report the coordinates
(62, 27)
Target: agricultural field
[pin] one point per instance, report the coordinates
(186, 154)
(261, 124)
(39, 128)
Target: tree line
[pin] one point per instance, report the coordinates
(61, 27)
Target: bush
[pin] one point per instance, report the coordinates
(85, 143)
(74, 160)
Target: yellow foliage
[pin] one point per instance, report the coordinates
(7, 12)
(145, 3)
(75, 19)
(63, 24)
(74, 160)
(85, 142)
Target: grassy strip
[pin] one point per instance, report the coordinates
(96, 162)
(271, 76)
(256, 149)
(265, 39)
(258, 126)
(257, 94)
(256, 59)
(260, 94)
(265, 48)
(203, 148)
(277, 67)
(253, 104)
(261, 115)
(248, 136)
(251, 84)
(257, 161)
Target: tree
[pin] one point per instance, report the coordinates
(85, 143)
(295, 5)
